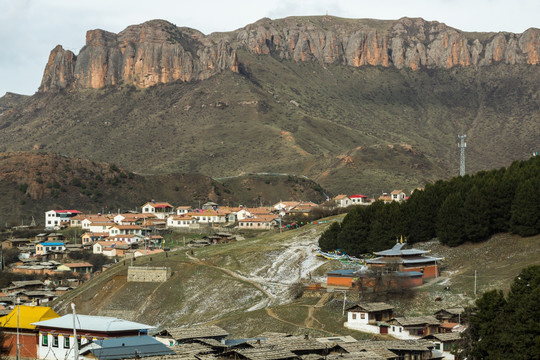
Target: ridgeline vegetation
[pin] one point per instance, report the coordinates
(464, 209)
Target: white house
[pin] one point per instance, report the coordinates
(56, 340)
(127, 238)
(209, 217)
(54, 219)
(367, 317)
(124, 230)
(159, 209)
(181, 210)
(342, 201)
(180, 222)
(410, 328)
(358, 199)
(445, 343)
(398, 195)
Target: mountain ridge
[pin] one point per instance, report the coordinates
(158, 52)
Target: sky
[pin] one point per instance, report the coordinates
(30, 29)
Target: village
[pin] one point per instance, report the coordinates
(36, 331)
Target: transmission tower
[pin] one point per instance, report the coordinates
(462, 145)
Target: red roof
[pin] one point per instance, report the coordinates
(357, 196)
(68, 211)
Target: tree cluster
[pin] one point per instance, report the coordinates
(463, 209)
(505, 327)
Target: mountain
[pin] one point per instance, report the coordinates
(356, 105)
(32, 183)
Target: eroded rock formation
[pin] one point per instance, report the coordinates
(159, 52)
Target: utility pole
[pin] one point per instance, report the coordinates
(475, 283)
(462, 145)
(18, 341)
(75, 343)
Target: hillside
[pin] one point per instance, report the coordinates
(298, 95)
(257, 275)
(33, 182)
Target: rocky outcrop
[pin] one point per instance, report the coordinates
(159, 52)
(142, 55)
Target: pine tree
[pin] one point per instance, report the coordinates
(525, 220)
(450, 230)
(475, 216)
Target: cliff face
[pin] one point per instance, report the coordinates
(159, 52)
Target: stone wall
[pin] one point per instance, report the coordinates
(148, 274)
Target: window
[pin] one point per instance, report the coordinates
(446, 346)
(55, 341)
(354, 316)
(66, 342)
(362, 315)
(437, 346)
(44, 340)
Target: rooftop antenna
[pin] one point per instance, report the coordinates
(462, 145)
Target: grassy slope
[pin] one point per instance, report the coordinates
(338, 134)
(200, 292)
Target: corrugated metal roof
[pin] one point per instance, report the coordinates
(27, 316)
(95, 323)
(126, 347)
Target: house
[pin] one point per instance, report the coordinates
(76, 220)
(302, 209)
(111, 248)
(49, 246)
(444, 343)
(97, 220)
(413, 327)
(55, 219)
(398, 195)
(55, 339)
(174, 336)
(124, 230)
(55, 237)
(342, 201)
(342, 278)
(393, 349)
(385, 198)
(159, 209)
(132, 218)
(283, 206)
(259, 223)
(89, 237)
(358, 199)
(124, 348)
(402, 258)
(450, 315)
(209, 206)
(15, 243)
(181, 210)
(209, 217)
(20, 320)
(79, 268)
(181, 221)
(367, 317)
(129, 239)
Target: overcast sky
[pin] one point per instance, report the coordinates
(30, 29)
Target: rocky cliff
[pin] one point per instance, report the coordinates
(159, 52)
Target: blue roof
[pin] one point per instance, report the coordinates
(45, 243)
(410, 274)
(344, 272)
(126, 347)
